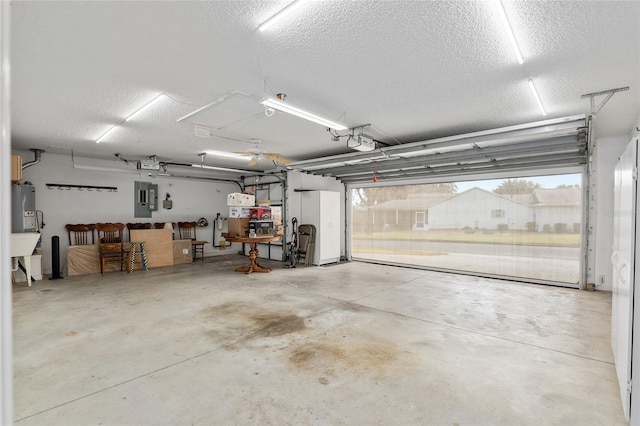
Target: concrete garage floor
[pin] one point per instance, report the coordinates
(351, 344)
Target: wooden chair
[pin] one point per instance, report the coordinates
(187, 231)
(81, 235)
(160, 225)
(306, 243)
(111, 245)
(131, 226)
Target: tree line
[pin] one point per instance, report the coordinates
(376, 195)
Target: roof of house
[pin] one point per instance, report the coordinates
(528, 199)
(540, 197)
(414, 202)
(558, 196)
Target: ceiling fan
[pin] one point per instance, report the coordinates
(256, 154)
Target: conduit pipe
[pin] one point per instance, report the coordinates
(37, 158)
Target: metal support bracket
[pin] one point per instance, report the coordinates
(607, 95)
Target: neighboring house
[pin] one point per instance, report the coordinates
(410, 213)
(557, 210)
(556, 207)
(480, 209)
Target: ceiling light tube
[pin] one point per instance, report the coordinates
(291, 7)
(507, 26)
(105, 134)
(104, 169)
(145, 107)
(131, 116)
(221, 169)
(285, 107)
(226, 154)
(535, 95)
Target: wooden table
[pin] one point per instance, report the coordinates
(253, 252)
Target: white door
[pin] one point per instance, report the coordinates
(623, 269)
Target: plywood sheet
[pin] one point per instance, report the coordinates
(86, 260)
(157, 245)
(179, 254)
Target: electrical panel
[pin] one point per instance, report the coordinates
(145, 199)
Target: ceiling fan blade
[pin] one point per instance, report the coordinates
(276, 157)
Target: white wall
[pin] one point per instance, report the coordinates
(607, 151)
(192, 199)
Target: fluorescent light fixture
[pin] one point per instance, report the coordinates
(104, 135)
(291, 7)
(145, 107)
(227, 154)
(535, 94)
(105, 169)
(221, 169)
(507, 26)
(285, 107)
(131, 116)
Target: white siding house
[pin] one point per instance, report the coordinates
(558, 210)
(544, 210)
(478, 208)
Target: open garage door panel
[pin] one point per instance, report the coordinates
(526, 228)
(505, 202)
(527, 148)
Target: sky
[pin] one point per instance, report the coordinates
(544, 181)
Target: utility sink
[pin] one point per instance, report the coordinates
(22, 245)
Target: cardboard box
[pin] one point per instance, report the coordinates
(237, 227)
(240, 212)
(276, 215)
(16, 168)
(260, 213)
(237, 199)
(262, 227)
(264, 203)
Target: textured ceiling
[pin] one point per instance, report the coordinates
(413, 70)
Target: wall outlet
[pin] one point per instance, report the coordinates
(185, 251)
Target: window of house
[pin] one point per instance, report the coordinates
(497, 213)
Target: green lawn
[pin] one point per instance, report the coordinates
(513, 237)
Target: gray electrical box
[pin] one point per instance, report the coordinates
(145, 199)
